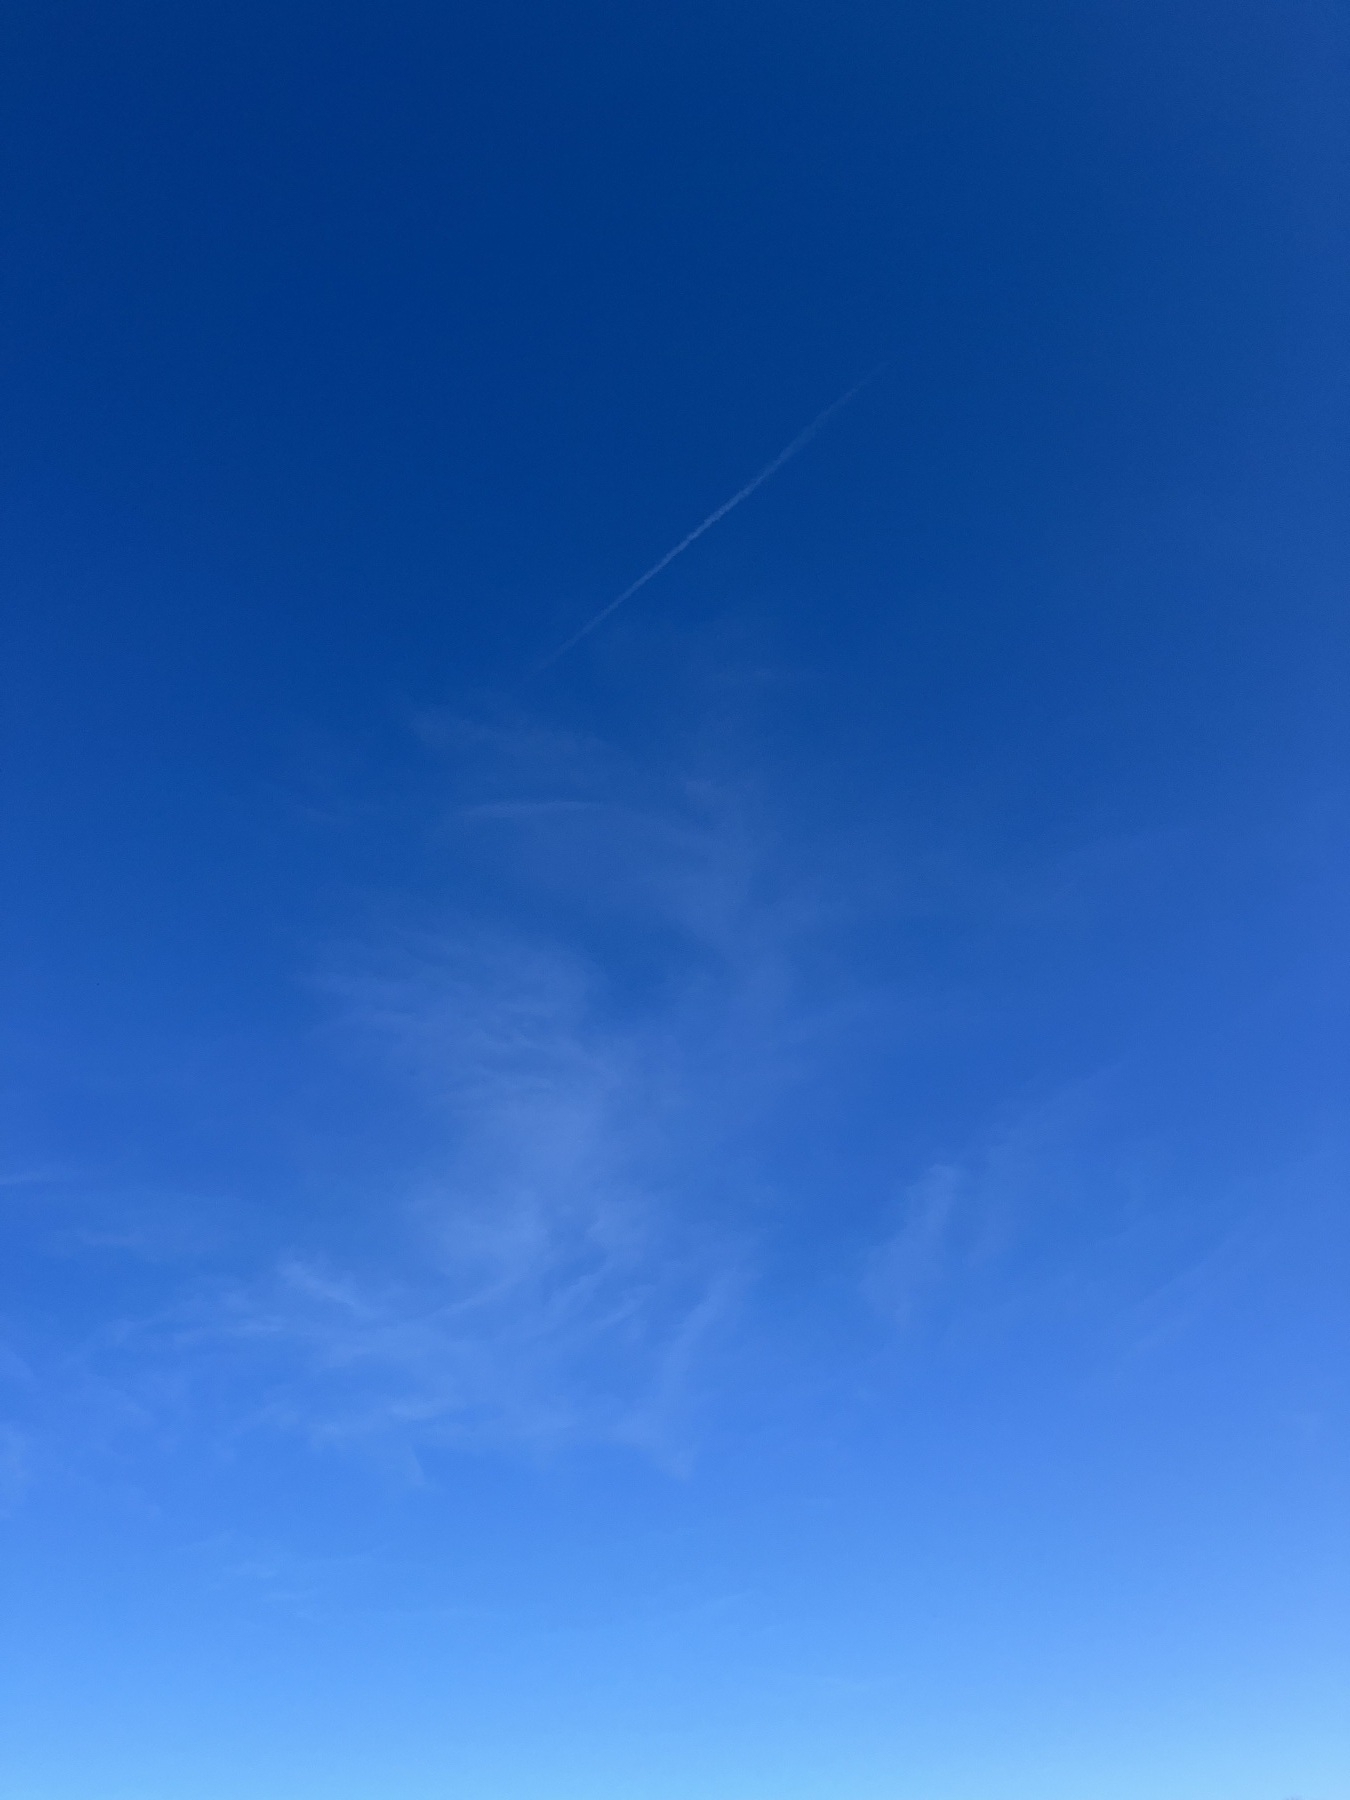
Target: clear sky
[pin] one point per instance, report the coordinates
(755, 1210)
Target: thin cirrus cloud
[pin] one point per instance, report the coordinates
(599, 1027)
(559, 1293)
(570, 1249)
(557, 1218)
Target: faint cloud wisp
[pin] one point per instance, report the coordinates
(564, 1257)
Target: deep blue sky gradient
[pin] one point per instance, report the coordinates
(760, 1211)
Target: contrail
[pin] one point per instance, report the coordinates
(802, 439)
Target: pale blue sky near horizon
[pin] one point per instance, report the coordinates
(756, 1208)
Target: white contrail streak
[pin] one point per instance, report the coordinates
(802, 439)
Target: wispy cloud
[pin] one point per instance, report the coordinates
(1068, 1210)
(14, 1466)
(908, 1265)
(607, 1024)
(589, 1049)
(542, 1282)
(554, 1232)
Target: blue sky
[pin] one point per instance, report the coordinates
(756, 1208)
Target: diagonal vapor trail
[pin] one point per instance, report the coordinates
(802, 439)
